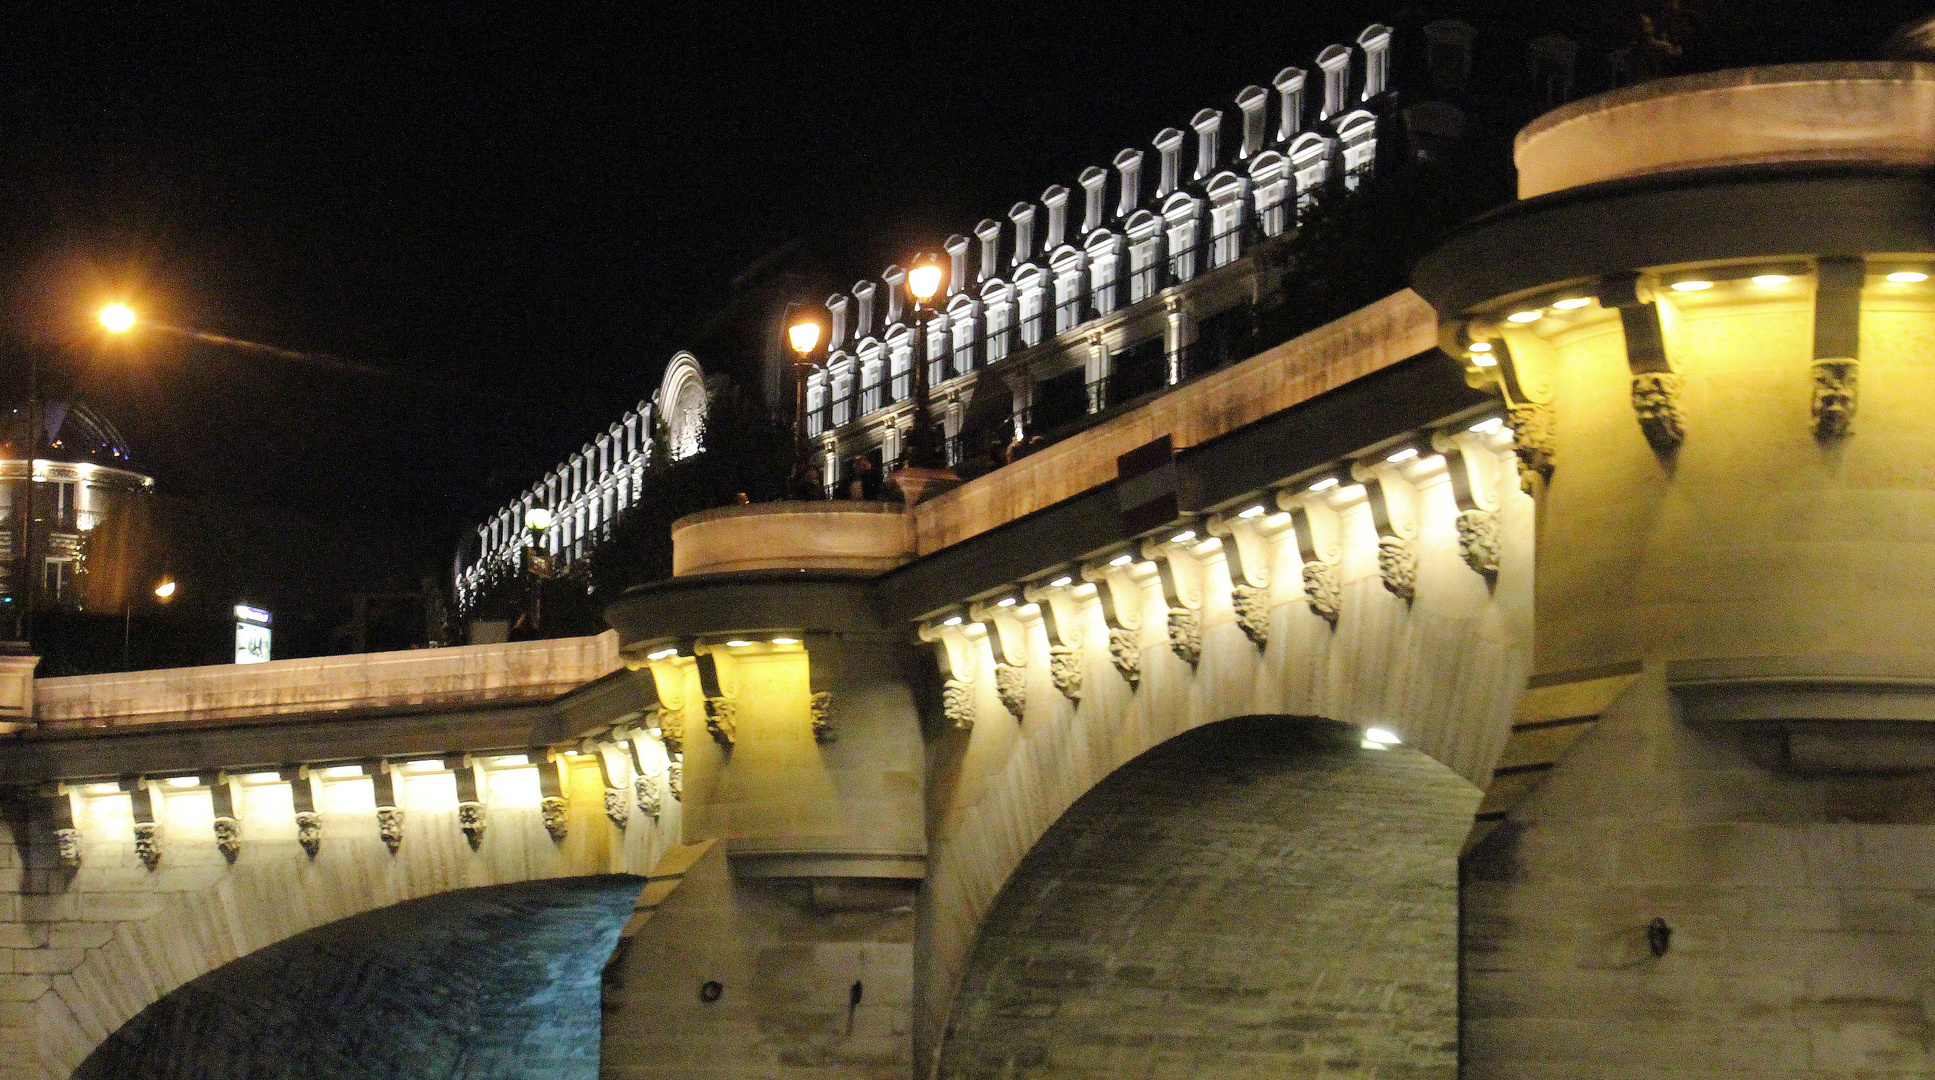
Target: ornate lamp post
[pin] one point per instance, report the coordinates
(923, 460)
(804, 336)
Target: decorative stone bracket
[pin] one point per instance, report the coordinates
(1319, 536)
(551, 800)
(1180, 575)
(1471, 467)
(721, 710)
(1837, 344)
(614, 771)
(1394, 513)
(227, 827)
(1061, 621)
(1246, 552)
(303, 796)
(954, 655)
(1008, 643)
(1120, 598)
(470, 807)
(147, 831)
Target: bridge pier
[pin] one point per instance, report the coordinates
(1709, 314)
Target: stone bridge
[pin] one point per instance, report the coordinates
(1213, 740)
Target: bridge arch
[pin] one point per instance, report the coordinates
(501, 980)
(1444, 668)
(1258, 895)
(118, 937)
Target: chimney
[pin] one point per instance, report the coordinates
(989, 233)
(1023, 215)
(1169, 144)
(1207, 123)
(1056, 200)
(1254, 101)
(957, 248)
(1128, 164)
(1289, 84)
(1095, 184)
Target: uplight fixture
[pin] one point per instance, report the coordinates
(1768, 281)
(1488, 427)
(737, 644)
(1405, 454)
(1907, 277)
(662, 654)
(1254, 511)
(786, 641)
(1692, 286)
(1060, 581)
(1325, 484)
(1183, 537)
(1006, 601)
(1123, 559)
(1479, 346)
(1527, 316)
(1484, 360)
(182, 781)
(1572, 303)
(951, 620)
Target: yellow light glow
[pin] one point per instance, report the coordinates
(1770, 280)
(117, 318)
(537, 519)
(1691, 286)
(165, 590)
(1907, 277)
(1571, 303)
(803, 335)
(924, 281)
(1525, 316)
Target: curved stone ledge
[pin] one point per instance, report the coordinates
(869, 537)
(1869, 112)
(1861, 714)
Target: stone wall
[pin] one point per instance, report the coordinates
(1260, 897)
(481, 983)
(1800, 909)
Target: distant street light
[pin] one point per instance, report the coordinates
(923, 450)
(804, 336)
(165, 590)
(117, 318)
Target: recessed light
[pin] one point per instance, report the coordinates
(1006, 601)
(182, 781)
(1488, 427)
(1572, 303)
(786, 641)
(1405, 454)
(1691, 286)
(1123, 559)
(1183, 537)
(1060, 581)
(1771, 279)
(1480, 346)
(737, 644)
(1381, 735)
(1254, 511)
(1907, 277)
(1484, 360)
(952, 620)
(661, 654)
(1525, 316)
(1325, 484)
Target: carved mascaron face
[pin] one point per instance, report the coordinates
(1833, 400)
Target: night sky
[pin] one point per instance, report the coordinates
(526, 211)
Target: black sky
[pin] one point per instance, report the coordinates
(536, 205)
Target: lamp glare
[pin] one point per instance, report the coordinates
(117, 318)
(1907, 277)
(804, 335)
(924, 281)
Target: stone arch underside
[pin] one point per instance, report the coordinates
(1261, 896)
(501, 981)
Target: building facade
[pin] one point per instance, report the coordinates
(88, 544)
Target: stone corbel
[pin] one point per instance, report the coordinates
(954, 655)
(1180, 575)
(67, 838)
(302, 795)
(1319, 536)
(389, 810)
(1837, 344)
(1121, 601)
(147, 831)
(1394, 513)
(822, 653)
(1061, 620)
(1521, 372)
(1008, 642)
(1246, 551)
(470, 806)
(551, 801)
(227, 827)
(669, 682)
(1656, 386)
(1471, 467)
(614, 771)
(721, 710)
(645, 780)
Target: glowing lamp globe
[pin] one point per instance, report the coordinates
(117, 318)
(803, 336)
(924, 281)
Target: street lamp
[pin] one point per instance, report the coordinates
(164, 592)
(804, 337)
(537, 563)
(117, 318)
(924, 453)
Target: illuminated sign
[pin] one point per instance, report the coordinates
(251, 635)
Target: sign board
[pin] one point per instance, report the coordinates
(251, 635)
